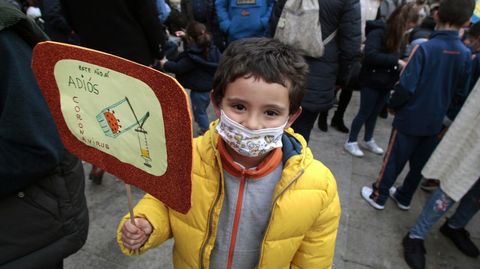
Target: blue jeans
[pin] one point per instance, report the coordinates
(371, 103)
(438, 205)
(200, 102)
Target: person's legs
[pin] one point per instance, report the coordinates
(304, 123)
(367, 98)
(435, 208)
(200, 102)
(96, 175)
(468, 207)
(454, 227)
(378, 103)
(413, 243)
(344, 100)
(419, 157)
(322, 121)
(398, 152)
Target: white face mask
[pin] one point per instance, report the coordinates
(250, 143)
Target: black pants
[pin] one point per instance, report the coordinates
(343, 101)
(304, 123)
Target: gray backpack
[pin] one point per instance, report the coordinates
(299, 26)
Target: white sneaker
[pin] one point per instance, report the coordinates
(392, 192)
(373, 147)
(352, 148)
(366, 192)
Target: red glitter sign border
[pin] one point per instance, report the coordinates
(174, 187)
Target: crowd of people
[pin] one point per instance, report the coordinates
(253, 170)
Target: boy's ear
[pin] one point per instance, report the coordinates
(216, 108)
(293, 117)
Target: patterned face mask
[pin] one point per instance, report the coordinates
(250, 143)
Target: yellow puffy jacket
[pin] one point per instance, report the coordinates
(303, 224)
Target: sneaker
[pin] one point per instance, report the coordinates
(373, 147)
(461, 238)
(352, 148)
(414, 252)
(366, 193)
(392, 192)
(429, 185)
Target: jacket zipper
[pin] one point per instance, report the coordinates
(209, 223)
(236, 219)
(271, 212)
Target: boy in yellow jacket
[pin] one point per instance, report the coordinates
(259, 198)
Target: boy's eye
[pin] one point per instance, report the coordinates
(238, 107)
(271, 113)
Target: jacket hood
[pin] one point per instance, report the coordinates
(373, 25)
(197, 55)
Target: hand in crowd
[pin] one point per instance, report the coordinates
(134, 236)
(180, 33)
(402, 63)
(163, 61)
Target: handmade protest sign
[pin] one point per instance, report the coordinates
(128, 119)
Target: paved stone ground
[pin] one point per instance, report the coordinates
(367, 238)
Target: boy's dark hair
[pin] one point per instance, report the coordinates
(428, 23)
(455, 12)
(266, 59)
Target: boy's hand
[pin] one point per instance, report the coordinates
(134, 236)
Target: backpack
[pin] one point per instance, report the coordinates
(299, 17)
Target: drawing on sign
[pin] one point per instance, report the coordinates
(119, 118)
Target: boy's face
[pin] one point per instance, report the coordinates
(256, 104)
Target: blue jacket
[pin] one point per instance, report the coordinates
(438, 70)
(240, 20)
(193, 70)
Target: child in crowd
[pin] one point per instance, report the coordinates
(259, 198)
(380, 69)
(194, 69)
(420, 34)
(436, 73)
(455, 162)
(472, 41)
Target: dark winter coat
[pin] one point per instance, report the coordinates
(129, 29)
(380, 69)
(340, 53)
(56, 26)
(193, 70)
(42, 200)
